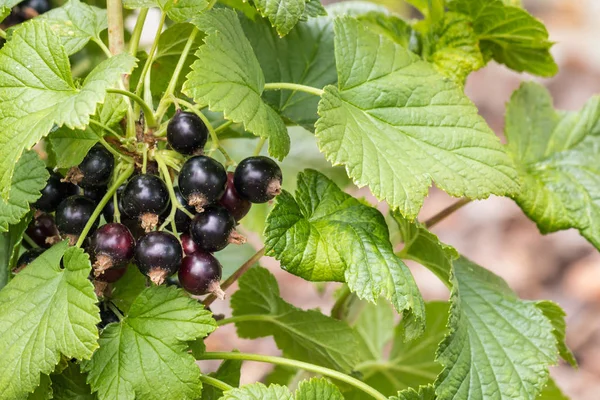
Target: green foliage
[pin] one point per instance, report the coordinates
(10, 243)
(556, 315)
(229, 372)
(71, 145)
(423, 393)
(71, 384)
(314, 389)
(177, 10)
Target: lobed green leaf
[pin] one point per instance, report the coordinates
(313, 389)
(10, 243)
(71, 384)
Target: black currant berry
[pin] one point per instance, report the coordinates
(158, 255)
(186, 133)
(112, 246)
(43, 231)
(33, 8)
(200, 273)
(95, 169)
(182, 221)
(188, 244)
(145, 197)
(112, 275)
(258, 179)
(233, 202)
(54, 192)
(173, 281)
(109, 209)
(107, 316)
(202, 181)
(73, 214)
(213, 229)
(95, 193)
(27, 258)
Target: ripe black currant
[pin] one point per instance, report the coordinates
(258, 179)
(158, 255)
(27, 258)
(200, 273)
(32, 8)
(202, 181)
(145, 197)
(112, 275)
(107, 316)
(95, 169)
(95, 193)
(188, 244)
(73, 214)
(186, 133)
(109, 209)
(182, 221)
(213, 229)
(112, 246)
(54, 192)
(233, 202)
(43, 231)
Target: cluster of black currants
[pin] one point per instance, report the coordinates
(216, 199)
(24, 11)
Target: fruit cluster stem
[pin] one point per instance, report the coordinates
(209, 380)
(294, 87)
(134, 42)
(148, 113)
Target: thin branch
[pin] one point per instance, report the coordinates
(446, 212)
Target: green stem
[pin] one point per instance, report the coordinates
(148, 114)
(116, 32)
(134, 42)
(164, 103)
(2, 34)
(116, 212)
(209, 380)
(150, 58)
(295, 87)
(115, 310)
(259, 146)
(223, 126)
(175, 204)
(106, 128)
(109, 194)
(446, 212)
(299, 365)
(115, 152)
(337, 311)
(30, 241)
(103, 47)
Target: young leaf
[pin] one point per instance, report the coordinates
(556, 316)
(128, 288)
(314, 389)
(424, 247)
(327, 235)
(313, 9)
(396, 124)
(43, 391)
(10, 242)
(4, 12)
(145, 355)
(229, 372)
(424, 393)
(112, 111)
(305, 56)
(433, 10)
(76, 23)
(551, 392)
(510, 35)
(498, 346)
(72, 145)
(71, 384)
(283, 14)
(304, 335)
(556, 154)
(317, 389)
(31, 103)
(228, 77)
(30, 177)
(177, 10)
(46, 311)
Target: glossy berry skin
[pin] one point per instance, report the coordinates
(73, 214)
(27, 258)
(188, 244)
(143, 194)
(158, 255)
(109, 209)
(115, 242)
(96, 167)
(54, 192)
(182, 221)
(198, 272)
(40, 6)
(112, 275)
(202, 176)
(42, 228)
(258, 179)
(237, 206)
(212, 228)
(186, 133)
(95, 193)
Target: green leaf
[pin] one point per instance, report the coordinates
(4, 12)
(128, 288)
(113, 110)
(424, 247)
(499, 346)
(510, 35)
(327, 235)
(71, 385)
(556, 155)
(390, 119)
(30, 177)
(305, 56)
(408, 364)
(304, 335)
(317, 389)
(433, 10)
(76, 23)
(424, 393)
(313, 9)
(232, 257)
(556, 315)
(177, 10)
(43, 391)
(551, 392)
(72, 145)
(283, 14)
(30, 104)
(145, 356)
(229, 372)
(314, 389)
(46, 311)
(228, 77)
(281, 375)
(10, 243)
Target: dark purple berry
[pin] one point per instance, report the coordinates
(96, 168)
(112, 275)
(214, 229)
(27, 258)
(145, 197)
(112, 246)
(258, 179)
(54, 192)
(43, 231)
(188, 244)
(186, 133)
(109, 209)
(95, 193)
(182, 221)
(202, 181)
(73, 214)
(233, 202)
(200, 273)
(158, 255)
(37, 6)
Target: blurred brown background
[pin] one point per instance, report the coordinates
(562, 267)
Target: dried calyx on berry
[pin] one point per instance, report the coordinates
(186, 133)
(214, 229)
(202, 181)
(112, 247)
(145, 197)
(54, 192)
(158, 255)
(72, 215)
(258, 179)
(95, 169)
(200, 273)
